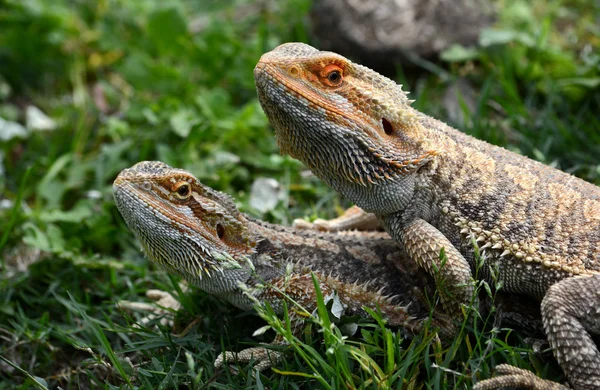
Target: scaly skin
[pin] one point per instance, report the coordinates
(433, 187)
(201, 233)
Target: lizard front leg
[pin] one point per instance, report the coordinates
(570, 311)
(510, 376)
(424, 243)
(297, 289)
(263, 357)
(300, 290)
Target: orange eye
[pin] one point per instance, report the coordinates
(333, 74)
(182, 190)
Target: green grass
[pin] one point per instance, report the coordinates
(126, 81)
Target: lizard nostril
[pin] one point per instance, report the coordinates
(387, 126)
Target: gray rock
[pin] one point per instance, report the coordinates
(377, 32)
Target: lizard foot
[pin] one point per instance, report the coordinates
(353, 218)
(164, 306)
(510, 376)
(318, 224)
(263, 358)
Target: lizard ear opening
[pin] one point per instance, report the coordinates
(387, 126)
(220, 231)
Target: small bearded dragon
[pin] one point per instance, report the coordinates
(196, 232)
(435, 189)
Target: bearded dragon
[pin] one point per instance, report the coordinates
(435, 189)
(196, 232)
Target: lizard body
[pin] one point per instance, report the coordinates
(434, 188)
(199, 234)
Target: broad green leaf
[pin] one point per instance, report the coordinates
(77, 214)
(183, 121)
(459, 53)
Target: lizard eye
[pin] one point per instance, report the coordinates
(333, 75)
(183, 190)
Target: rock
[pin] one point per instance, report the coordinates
(381, 32)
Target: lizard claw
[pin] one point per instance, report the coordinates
(263, 358)
(510, 376)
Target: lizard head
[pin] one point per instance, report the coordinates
(184, 226)
(350, 125)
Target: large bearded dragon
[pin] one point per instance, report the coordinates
(439, 193)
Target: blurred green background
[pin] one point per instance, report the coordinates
(88, 88)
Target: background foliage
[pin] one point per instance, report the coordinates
(88, 88)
